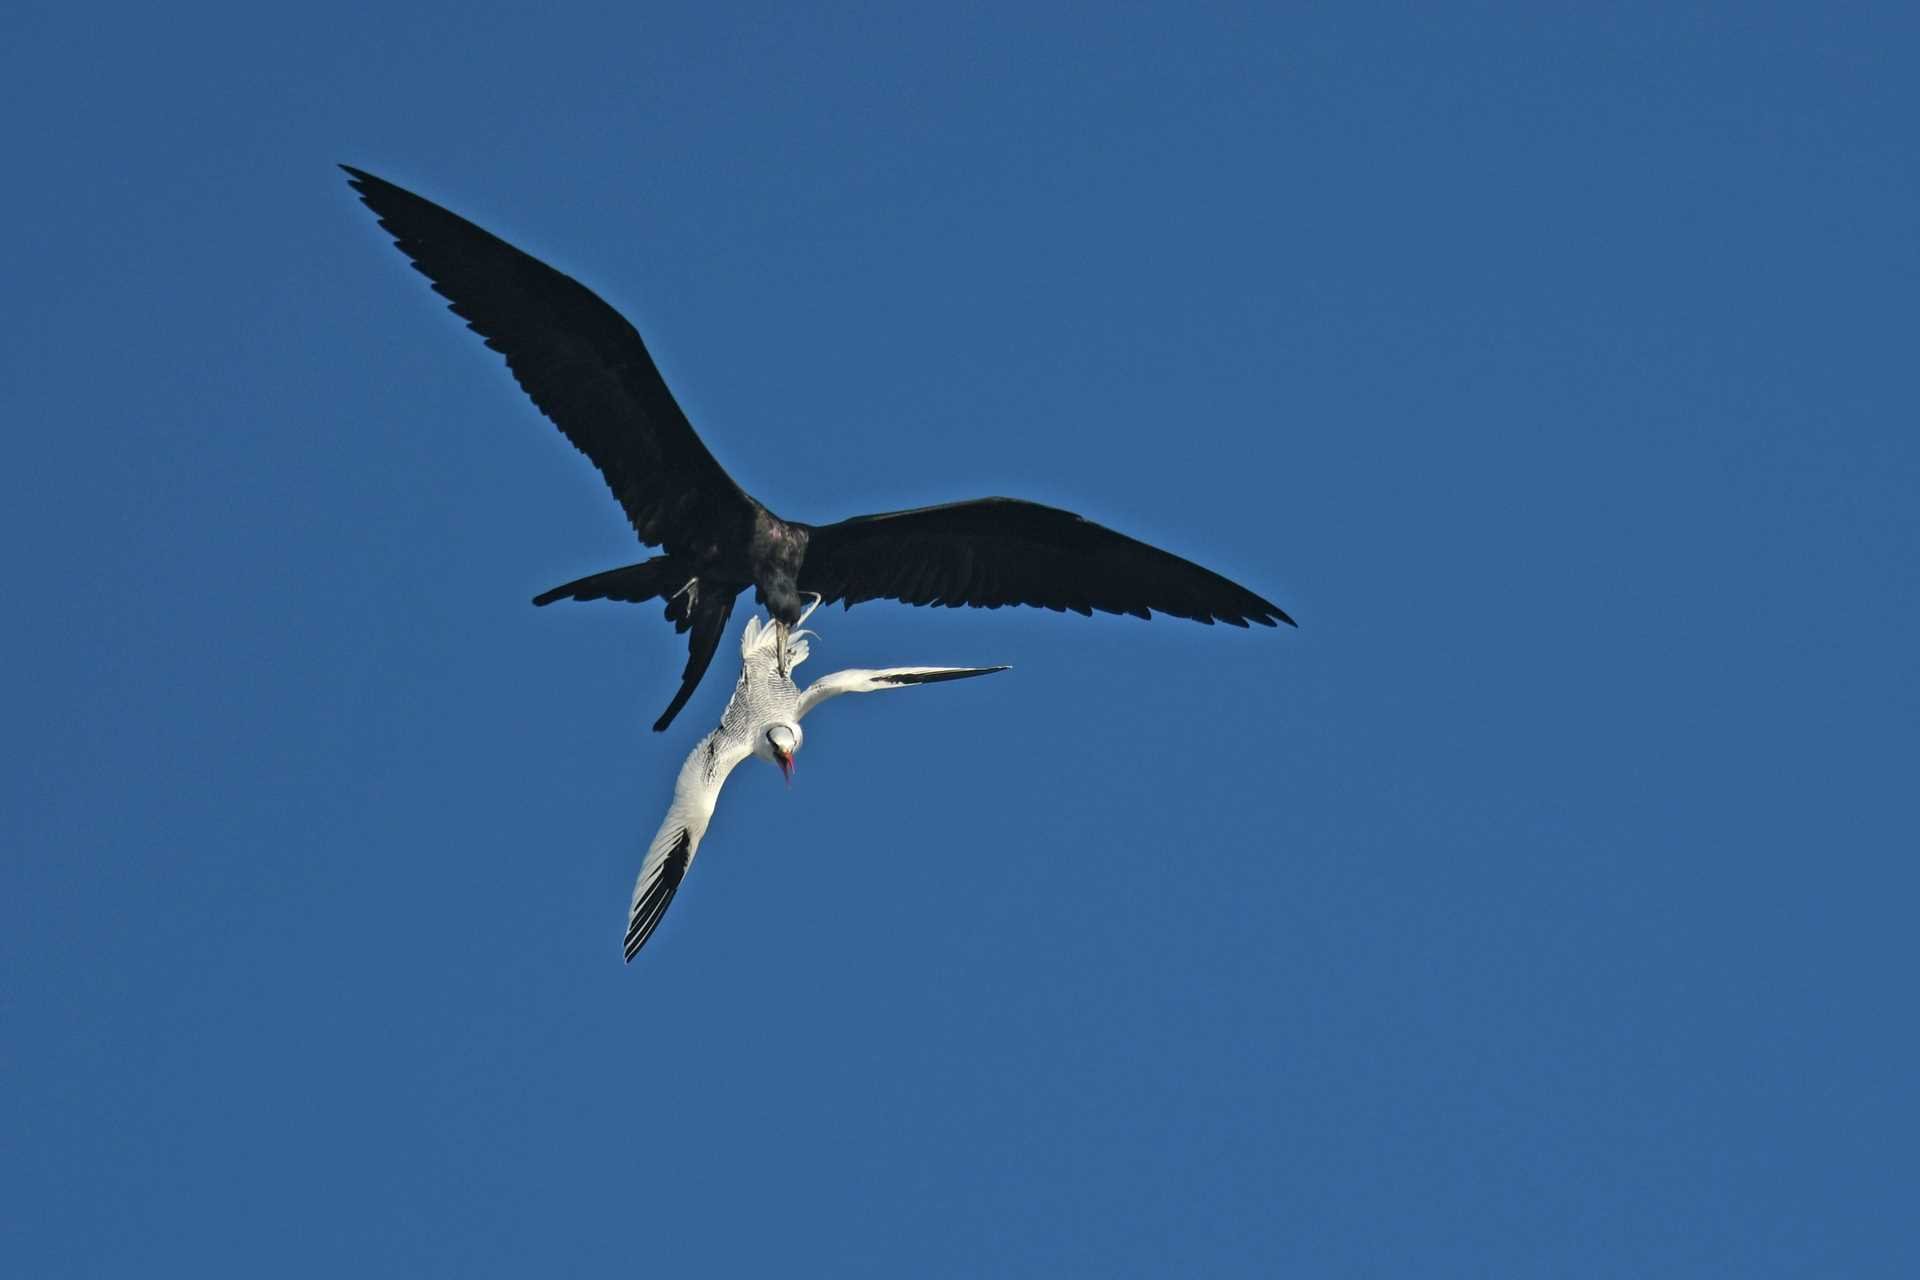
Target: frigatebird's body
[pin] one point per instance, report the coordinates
(586, 368)
(762, 719)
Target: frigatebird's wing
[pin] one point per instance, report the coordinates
(694, 794)
(582, 364)
(855, 680)
(1002, 551)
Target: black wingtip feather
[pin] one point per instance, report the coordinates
(648, 911)
(936, 677)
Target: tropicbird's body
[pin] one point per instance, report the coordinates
(762, 719)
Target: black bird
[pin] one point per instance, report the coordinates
(586, 369)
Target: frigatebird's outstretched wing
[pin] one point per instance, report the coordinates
(1002, 551)
(581, 363)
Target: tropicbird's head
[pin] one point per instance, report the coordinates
(780, 743)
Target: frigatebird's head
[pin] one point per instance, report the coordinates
(780, 744)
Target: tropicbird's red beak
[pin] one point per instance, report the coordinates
(786, 766)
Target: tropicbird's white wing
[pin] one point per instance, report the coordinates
(678, 839)
(856, 680)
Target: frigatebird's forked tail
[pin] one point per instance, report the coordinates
(708, 621)
(692, 606)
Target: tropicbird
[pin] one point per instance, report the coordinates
(762, 719)
(586, 369)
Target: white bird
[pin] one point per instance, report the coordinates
(762, 719)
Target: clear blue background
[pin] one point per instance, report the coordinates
(1543, 906)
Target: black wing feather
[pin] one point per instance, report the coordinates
(1001, 551)
(580, 362)
(653, 904)
(938, 677)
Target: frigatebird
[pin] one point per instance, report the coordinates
(585, 367)
(762, 719)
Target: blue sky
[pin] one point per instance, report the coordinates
(1541, 907)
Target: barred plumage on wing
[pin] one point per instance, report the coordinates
(762, 720)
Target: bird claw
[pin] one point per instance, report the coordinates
(783, 636)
